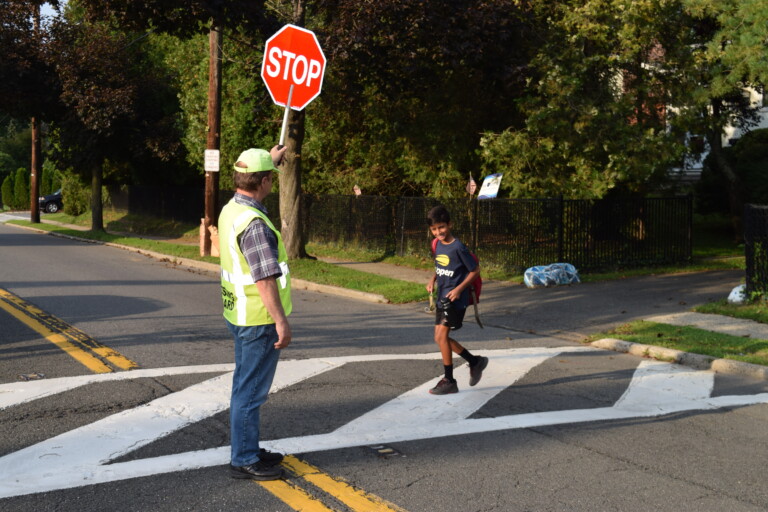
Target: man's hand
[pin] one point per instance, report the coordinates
(283, 335)
(271, 298)
(277, 154)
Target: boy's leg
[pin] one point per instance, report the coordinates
(444, 342)
(448, 383)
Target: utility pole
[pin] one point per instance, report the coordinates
(214, 131)
(34, 183)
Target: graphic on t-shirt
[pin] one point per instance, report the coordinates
(443, 260)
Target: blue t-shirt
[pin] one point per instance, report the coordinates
(453, 263)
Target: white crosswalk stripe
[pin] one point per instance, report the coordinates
(79, 457)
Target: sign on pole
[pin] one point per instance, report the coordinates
(211, 160)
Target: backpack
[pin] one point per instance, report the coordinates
(477, 285)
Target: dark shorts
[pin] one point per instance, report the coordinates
(452, 316)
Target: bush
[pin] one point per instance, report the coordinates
(21, 189)
(76, 195)
(7, 191)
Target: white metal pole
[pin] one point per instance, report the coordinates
(285, 117)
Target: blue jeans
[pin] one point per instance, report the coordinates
(255, 364)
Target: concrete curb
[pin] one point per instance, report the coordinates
(697, 361)
(296, 284)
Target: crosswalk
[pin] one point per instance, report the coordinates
(84, 456)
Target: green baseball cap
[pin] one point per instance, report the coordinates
(256, 160)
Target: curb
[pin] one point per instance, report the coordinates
(296, 284)
(697, 361)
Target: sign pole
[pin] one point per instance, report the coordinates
(285, 118)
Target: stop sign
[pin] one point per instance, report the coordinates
(293, 57)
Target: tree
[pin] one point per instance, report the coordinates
(734, 58)
(411, 86)
(598, 97)
(111, 114)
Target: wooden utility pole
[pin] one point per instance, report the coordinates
(36, 167)
(214, 132)
(34, 181)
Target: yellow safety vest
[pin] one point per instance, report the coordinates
(242, 302)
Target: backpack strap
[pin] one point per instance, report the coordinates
(474, 304)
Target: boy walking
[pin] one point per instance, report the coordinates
(455, 270)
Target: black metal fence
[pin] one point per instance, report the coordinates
(507, 234)
(514, 234)
(756, 248)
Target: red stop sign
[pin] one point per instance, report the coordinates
(293, 57)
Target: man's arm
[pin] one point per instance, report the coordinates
(271, 298)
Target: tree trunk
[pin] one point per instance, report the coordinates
(290, 189)
(97, 217)
(291, 227)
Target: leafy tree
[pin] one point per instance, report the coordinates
(411, 87)
(596, 100)
(28, 84)
(115, 109)
(245, 104)
(734, 58)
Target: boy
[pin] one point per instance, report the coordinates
(455, 270)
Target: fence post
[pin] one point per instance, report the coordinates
(756, 248)
(560, 228)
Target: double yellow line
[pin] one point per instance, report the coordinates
(74, 342)
(101, 359)
(297, 498)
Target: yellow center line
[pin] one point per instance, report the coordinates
(356, 499)
(293, 496)
(71, 340)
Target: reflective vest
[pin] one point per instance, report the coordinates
(242, 302)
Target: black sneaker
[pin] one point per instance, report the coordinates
(445, 387)
(256, 471)
(271, 458)
(476, 372)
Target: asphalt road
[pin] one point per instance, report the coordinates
(553, 425)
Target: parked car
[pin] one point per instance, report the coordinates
(52, 202)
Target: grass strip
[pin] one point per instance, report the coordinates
(691, 339)
(756, 311)
(395, 290)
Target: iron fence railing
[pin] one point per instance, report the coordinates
(756, 249)
(508, 234)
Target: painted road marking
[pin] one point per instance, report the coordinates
(356, 499)
(79, 457)
(84, 349)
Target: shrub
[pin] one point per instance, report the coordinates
(21, 189)
(7, 191)
(76, 195)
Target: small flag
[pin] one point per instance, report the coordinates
(471, 186)
(357, 190)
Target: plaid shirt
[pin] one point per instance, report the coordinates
(259, 244)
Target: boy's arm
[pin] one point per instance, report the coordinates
(456, 292)
(431, 283)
